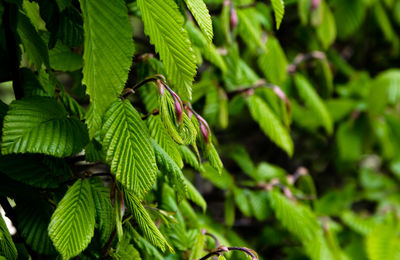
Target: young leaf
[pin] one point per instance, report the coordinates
(279, 9)
(108, 51)
(184, 132)
(128, 148)
(168, 116)
(72, 224)
(200, 12)
(213, 157)
(189, 157)
(146, 248)
(164, 24)
(314, 102)
(160, 134)
(41, 125)
(270, 124)
(145, 223)
(168, 166)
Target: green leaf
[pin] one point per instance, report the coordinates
(208, 49)
(326, 31)
(31, 84)
(35, 169)
(290, 214)
(70, 29)
(213, 157)
(229, 210)
(270, 124)
(222, 180)
(200, 12)
(41, 125)
(168, 166)
(71, 105)
(168, 116)
(194, 195)
(303, 7)
(7, 247)
(383, 243)
(314, 102)
(279, 9)
(145, 223)
(72, 224)
(189, 157)
(145, 247)
(33, 217)
(242, 201)
(128, 148)
(34, 46)
(160, 134)
(249, 28)
(384, 90)
(259, 204)
(349, 141)
(242, 158)
(108, 51)
(357, 223)
(198, 247)
(31, 10)
(125, 250)
(62, 4)
(211, 105)
(94, 151)
(63, 59)
(164, 24)
(273, 62)
(104, 209)
(384, 22)
(349, 16)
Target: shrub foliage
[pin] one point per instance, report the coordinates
(188, 129)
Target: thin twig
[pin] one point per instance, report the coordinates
(262, 83)
(108, 245)
(149, 79)
(217, 243)
(301, 57)
(222, 249)
(153, 112)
